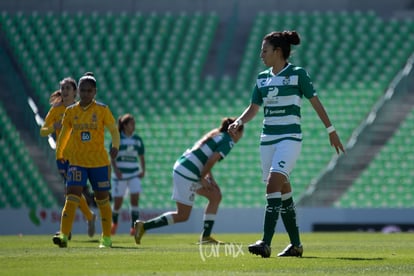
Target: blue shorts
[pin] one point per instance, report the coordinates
(63, 168)
(98, 177)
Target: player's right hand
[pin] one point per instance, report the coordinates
(234, 126)
(206, 184)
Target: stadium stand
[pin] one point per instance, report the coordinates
(20, 181)
(388, 181)
(151, 66)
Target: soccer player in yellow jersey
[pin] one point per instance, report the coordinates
(59, 100)
(83, 126)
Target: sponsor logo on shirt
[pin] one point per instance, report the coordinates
(85, 136)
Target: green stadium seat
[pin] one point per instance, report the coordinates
(129, 53)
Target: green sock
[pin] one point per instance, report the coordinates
(134, 217)
(208, 226)
(115, 215)
(271, 216)
(288, 214)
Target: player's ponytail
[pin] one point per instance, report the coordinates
(55, 97)
(88, 76)
(224, 126)
(292, 37)
(226, 122)
(283, 40)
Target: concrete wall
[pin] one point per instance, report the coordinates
(45, 221)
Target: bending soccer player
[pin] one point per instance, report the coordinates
(192, 175)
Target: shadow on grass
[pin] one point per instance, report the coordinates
(345, 258)
(96, 241)
(128, 247)
(86, 241)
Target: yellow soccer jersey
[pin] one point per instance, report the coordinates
(84, 129)
(54, 115)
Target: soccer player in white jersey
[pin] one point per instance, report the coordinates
(128, 170)
(192, 175)
(280, 89)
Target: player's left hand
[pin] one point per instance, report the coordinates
(336, 142)
(118, 173)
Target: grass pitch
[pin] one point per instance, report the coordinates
(178, 254)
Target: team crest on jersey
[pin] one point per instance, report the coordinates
(286, 80)
(94, 118)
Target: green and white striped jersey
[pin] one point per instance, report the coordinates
(127, 159)
(281, 96)
(190, 164)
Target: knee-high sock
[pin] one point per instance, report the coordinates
(208, 224)
(106, 215)
(288, 214)
(274, 202)
(115, 215)
(160, 221)
(134, 214)
(84, 207)
(68, 213)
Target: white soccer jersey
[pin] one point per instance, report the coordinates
(127, 159)
(190, 164)
(281, 96)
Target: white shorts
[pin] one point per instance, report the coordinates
(119, 187)
(184, 190)
(280, 157)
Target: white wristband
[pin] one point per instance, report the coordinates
(239, 122)
(330, 129)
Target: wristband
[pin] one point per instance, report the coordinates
(330, 129)
(239, 122)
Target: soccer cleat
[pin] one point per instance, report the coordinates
(209, 240)
(113, 228)
(105, 242)
(291, 251)
(132, 231)
(139, 231)
(60, 240)
(69, 236)
(91, 226)
(260, 248)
